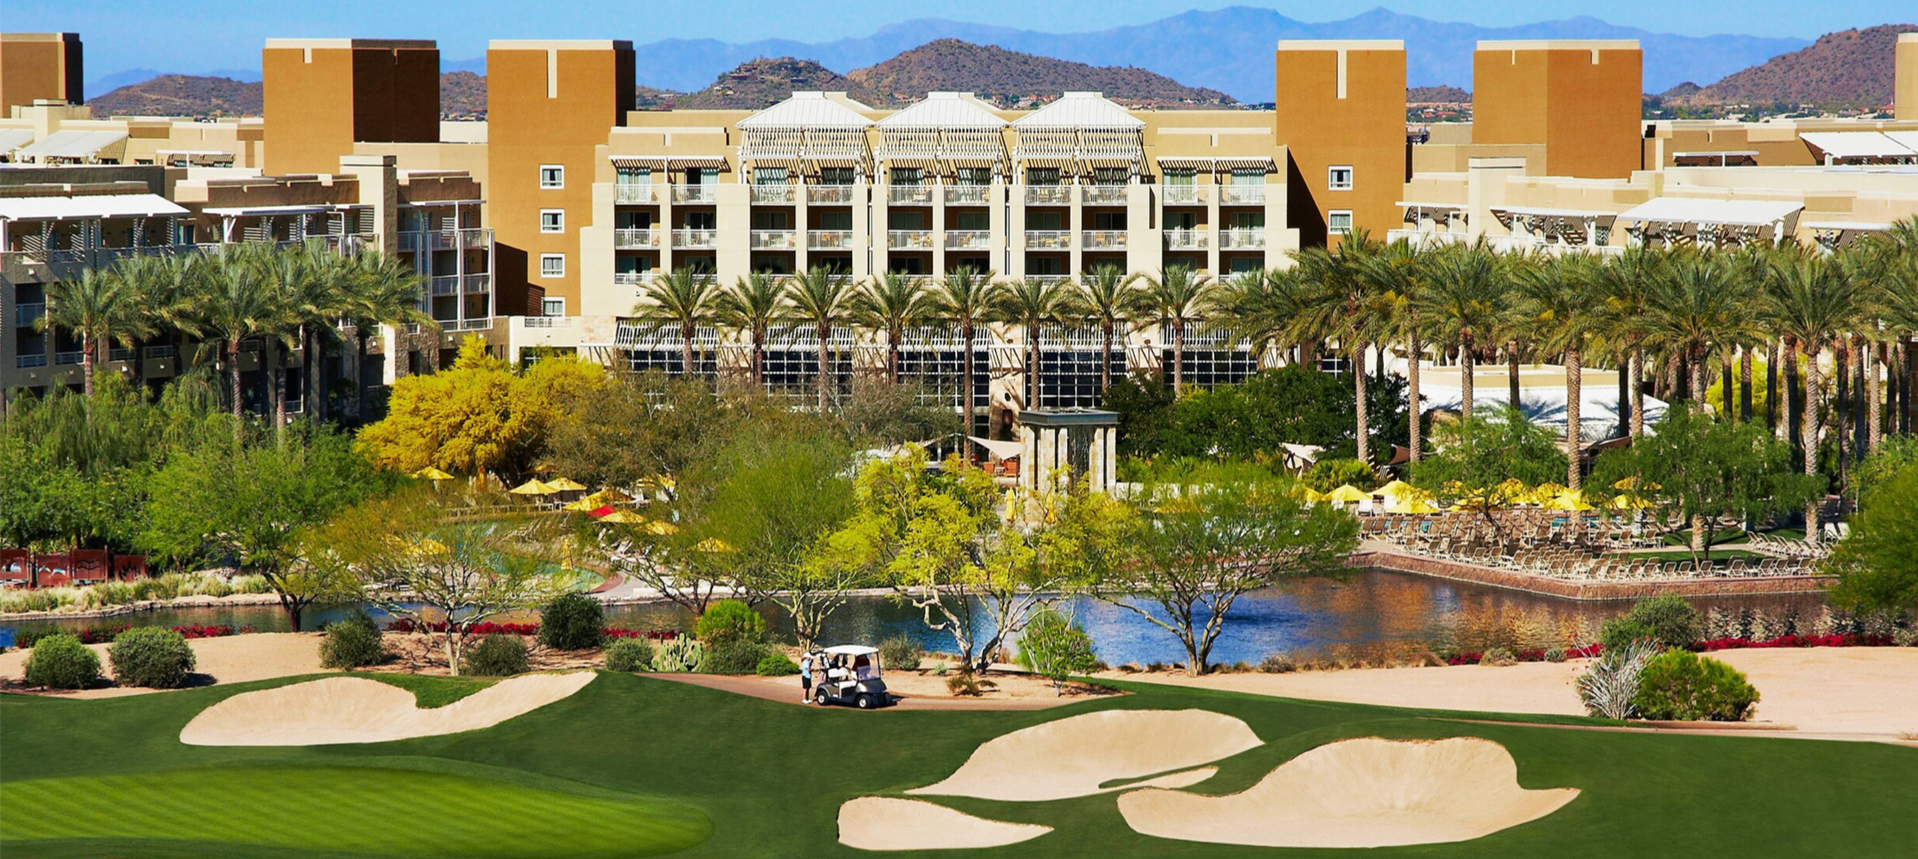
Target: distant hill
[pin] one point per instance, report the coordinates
(1437, 95)
(760, 83)
(1849, 68)
(181, 95)
(1011, 79)
(462, 95)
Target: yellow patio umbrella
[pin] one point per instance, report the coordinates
(584, 505)
(610, 496)
(1411, 504)
(714, 544)
(533, 487)
(1395, 489)
(564, 485)
(1629, 502)
(1348, 494)
(659, 527)
(1569, 500)
(1543, 494)
(621, 517)
(431, 473)
(1633, 484)
(1309, 494)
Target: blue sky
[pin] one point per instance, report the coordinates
(202, 35)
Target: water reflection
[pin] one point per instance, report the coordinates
(1370, 614)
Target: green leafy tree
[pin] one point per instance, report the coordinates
(1479, 458)
(684, 301)
(1874, 562)
(1054, 647)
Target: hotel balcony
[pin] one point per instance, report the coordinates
(477, 238)
(634, 194)
(1058, 240)
(829, 195)
(695, 239)
(1186, 240)
(479, 284)
(695, 193)
(27, 314)
(774, 240)
(909, 240)
(633, 238)
(775, 194)
(1048, 195)
(1241, 195)
(968, 194)
(968, 240)
(909, 195)
(1186, 195)
(1242, 239)
(446, 284)
(64, 358)
(1049, 278)
(1102, 195)
(630, 278)
(27, 362)
(1103, 240)
(829, 240)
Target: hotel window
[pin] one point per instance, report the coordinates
(1042, 175)
(1246, 177)
(907, 176)
(1338, 222)
(836, 175)
(552, 176)
(552, 307)
(975, 175)
(552, 265)
(978, 221)
(552, 220)
(1110, 175)
(1338, 178)
(635, 176)
(1181, 177)
(769, 175)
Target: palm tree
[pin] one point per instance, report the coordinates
(683, 299)
(238, 302)
(1262, 308)
(381, 290)
(1340, 308)
(1032, 305)
(1513, 332)
(1104, 296)
(321, 309)
(1463, 303)
(1626, 281)
(1814, 306)
(892, 302)
(1178, 298)
(752, 306)
(1687, 311)
(1556, 306)
(94, 306)
(292, 279)
(1399, 274)
(962, 299)
(823, 300)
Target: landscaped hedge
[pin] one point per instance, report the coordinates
(352, 643)
(1680, 684)
(496, 655)
(629, 654)
(60, 661)
(106, 634)
(152, 657)
(572, 622)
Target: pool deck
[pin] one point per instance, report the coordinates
(1385, 557)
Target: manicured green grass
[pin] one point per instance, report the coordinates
(431, 691)
(770, 777)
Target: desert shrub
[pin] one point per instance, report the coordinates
(678, 655)
(1679, 684)
(1054, 647)
(900, 653)
(1621, 631)
(1327, 475)
(776, 665)
(732, 657)
(1556, 654)
(730, 620)
(967, 684)
(571, 622)
(629, 654)
(1610, 684)
(497, 656)
(151, 656)
(1278, 663)
(1666, 619)
(352, 643)
(1498, 656)
(61, 662)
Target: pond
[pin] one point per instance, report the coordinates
(1370, 614)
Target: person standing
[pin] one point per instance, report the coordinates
(805, 678)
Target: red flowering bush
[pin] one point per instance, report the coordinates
(1844, 639)
(108, 633)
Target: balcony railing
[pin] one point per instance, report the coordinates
(1103, 240)
(695, 238)
(1243, 195)
(774, 240)
(909, 239)
(630, 278)
(634, 194)
(829, 240)
(1048, 239)
(549, 321)
(909, 195)
(774, 194)
(27, 314)
(448, 284)
(635, 238)
(476, 238)
(409, 242)
(154, 353)
(1185, 240)
(479, 284)
(964, 194)
(1187, 195)
(695, 193)
(60, 358)
(29, 361)
(119, 353)
(1048, 195)
(968, 240)
(1241, 239)
(1102, 195)
(829, 195)
(1049, 278)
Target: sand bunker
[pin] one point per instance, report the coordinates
(882, 823)
(357, 710)
(1357, 793)
(1075, 756)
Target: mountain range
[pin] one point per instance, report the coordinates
(1851, 68)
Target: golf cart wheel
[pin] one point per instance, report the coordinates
(866, 701)
(820, 698)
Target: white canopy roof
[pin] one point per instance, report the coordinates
(1080, 110)
(850, 650)
(810, 109)
(94, 206)
(1863, 226)
(1555, 213)
(945, 110)
(14, 138)
(1907, 139)
(1742, 213)
(1857, 144)
(1000, 449)
(241, 211)
(73, 144)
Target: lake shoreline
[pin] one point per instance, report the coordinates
(1587, 591)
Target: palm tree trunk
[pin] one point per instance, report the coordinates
(359, 374)
(892, 352)
(1841, 401)
(1105, 358)
(1178, 359)
(1574, 388)
(233, 381)
(1772, 353)
(825, 335)
(686, 351)
(965, 384)
(1698, 367)
(1874, 416)
(1358, 401)
(1794, 395)
(88, 345)
(1412, 395)
(1910, 384)
(1745, 384)
(1511, 373)
(1636, 368)
(1032, 367)
(276, 353)
(1465, 376)
(1814, 506)
(1725, 412)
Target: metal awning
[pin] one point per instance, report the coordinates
(92, 206)
(1741, 213)
(73, 144)
(639, 160)
(14, 138)
(715, 162)
(1856, 144)
(244, 211)
(1853, 226)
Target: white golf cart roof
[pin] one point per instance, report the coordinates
(850, 650)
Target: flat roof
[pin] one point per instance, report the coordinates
(272, 44)
(559, 45)
(1857, 144)
(38, 37)
(73, 144)
(1559, 45)
(1341, 44)
(1706, 210)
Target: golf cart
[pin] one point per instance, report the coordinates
(849, 674)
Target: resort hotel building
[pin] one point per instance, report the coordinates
(538, 229)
